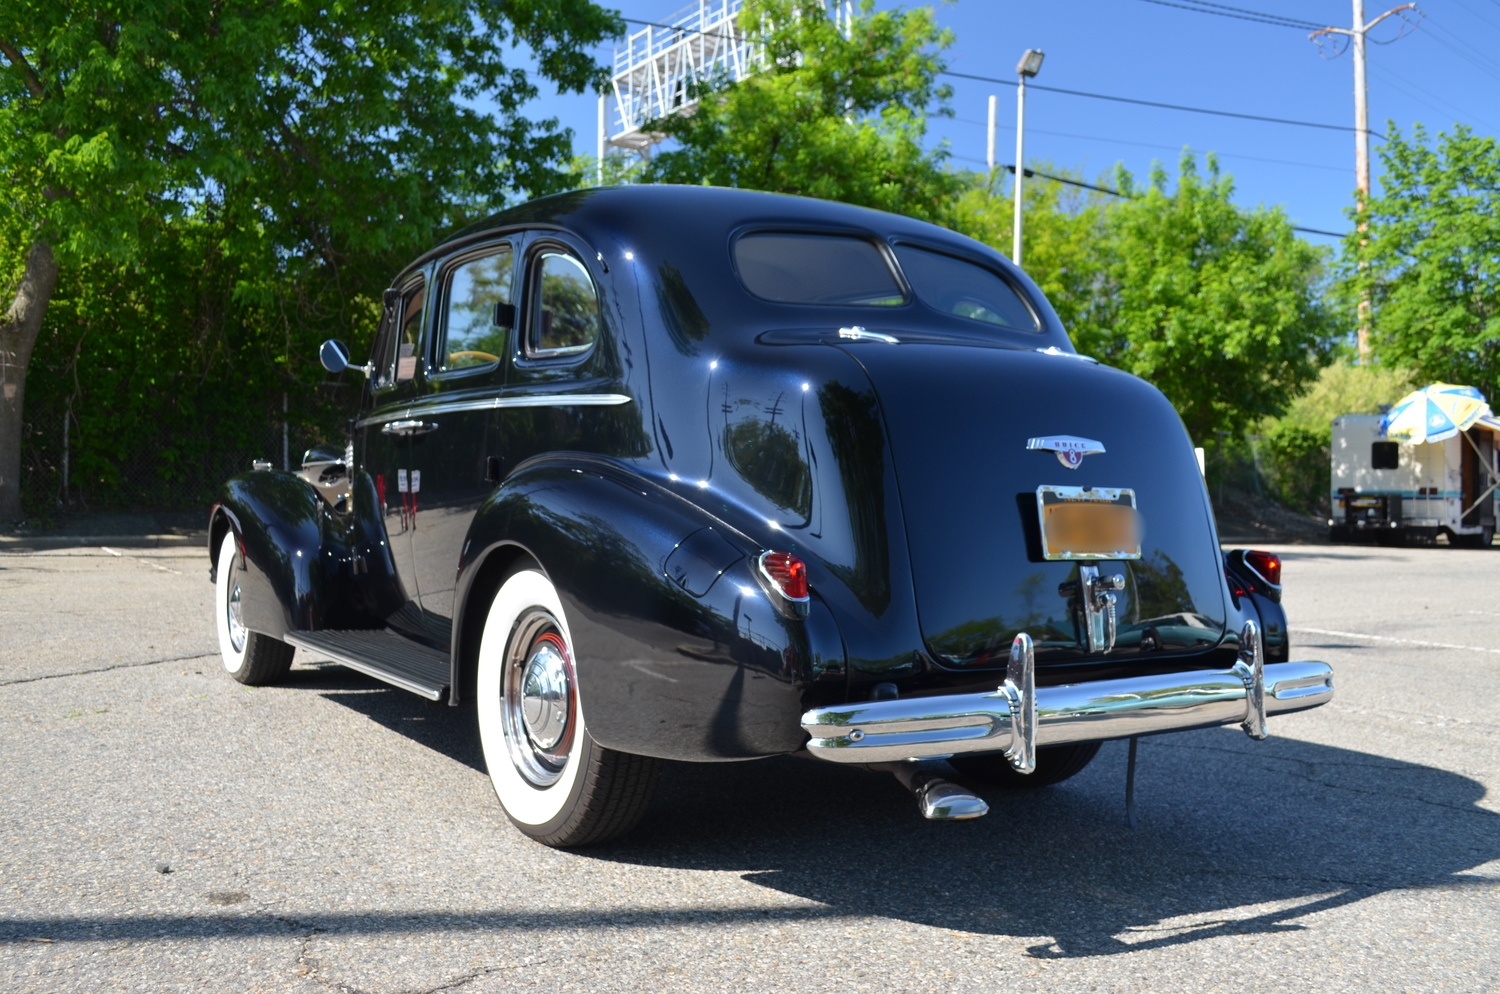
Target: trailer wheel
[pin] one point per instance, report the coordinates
(1481, 541)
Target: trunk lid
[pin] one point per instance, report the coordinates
(959, 427)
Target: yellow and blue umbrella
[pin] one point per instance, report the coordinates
(1434, 413)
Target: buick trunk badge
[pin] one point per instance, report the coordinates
(1070, 449)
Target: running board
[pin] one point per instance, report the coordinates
(384, 655)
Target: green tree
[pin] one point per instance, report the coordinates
(1065, 234)
(1219, 306)
(835, 115)
(1430, 259)
(309, 144)
(1294, 447)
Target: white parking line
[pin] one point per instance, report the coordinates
(155, 566)
(1388, 638)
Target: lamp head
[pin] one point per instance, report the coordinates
(1031, 63)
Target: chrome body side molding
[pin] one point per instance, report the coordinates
(431, 408)
(928, 727)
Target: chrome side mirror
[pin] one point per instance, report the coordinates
(334, 355)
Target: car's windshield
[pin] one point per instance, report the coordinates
(955, 286)
(792, 268)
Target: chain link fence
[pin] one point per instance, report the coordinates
(170, 468)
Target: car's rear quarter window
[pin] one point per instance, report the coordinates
(956, 286)
(798, 268)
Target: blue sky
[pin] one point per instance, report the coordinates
(1447, 70)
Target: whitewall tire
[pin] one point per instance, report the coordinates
(250, 657)
(554, 781)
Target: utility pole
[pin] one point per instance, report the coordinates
(599, 167)
(1356, 36)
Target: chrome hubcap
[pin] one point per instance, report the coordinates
(538, 705)
(235, 613)
(544, 696)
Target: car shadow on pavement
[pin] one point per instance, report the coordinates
(1234, 838)
(450, 731)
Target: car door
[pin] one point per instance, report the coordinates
(453, 462)
(384, 432)
(564, 389)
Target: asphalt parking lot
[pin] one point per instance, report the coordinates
(166, 829)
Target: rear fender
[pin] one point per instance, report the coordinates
(698, 668)
(304, 566)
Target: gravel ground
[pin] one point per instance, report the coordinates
(163, 828)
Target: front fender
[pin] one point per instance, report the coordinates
(304, 566)
(697, 665)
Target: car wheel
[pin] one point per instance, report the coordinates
(1054, 764)
(554, 781)
(250, 657)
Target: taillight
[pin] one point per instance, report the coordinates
(785, 578)
(1266, 565)
(787, 573)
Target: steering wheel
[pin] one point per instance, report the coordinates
(471, 354)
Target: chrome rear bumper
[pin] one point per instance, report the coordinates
(1018, 718)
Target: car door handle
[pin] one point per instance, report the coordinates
(408, 428)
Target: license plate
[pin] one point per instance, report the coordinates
(1088, 523)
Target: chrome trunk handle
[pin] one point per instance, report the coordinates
(1098, 603)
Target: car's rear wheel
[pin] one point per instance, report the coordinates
(554, 781)
(250, 657)
(1054, 764)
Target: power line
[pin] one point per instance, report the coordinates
(1010, 168)
(1164, 148)
(1083, 93)
(1400, 82)
(1154, 103)
(1458, 47)
(1240, 13)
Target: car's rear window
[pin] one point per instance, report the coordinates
(816, 269)
(954, 286)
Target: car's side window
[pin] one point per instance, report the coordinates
(408, 333)
(565, 314)
(479, 310)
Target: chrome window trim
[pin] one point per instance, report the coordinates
(443, 281)
(531, 274)
(494, 403)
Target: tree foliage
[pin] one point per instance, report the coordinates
(1219, 306)
(225, 184)
(1430, 259)
(831, 115)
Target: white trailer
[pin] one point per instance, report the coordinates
(1393, 489)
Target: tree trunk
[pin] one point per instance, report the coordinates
(18, 333)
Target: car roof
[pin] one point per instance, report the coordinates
(646, 212)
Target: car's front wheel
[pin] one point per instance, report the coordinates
(250, 657)
(554, 781)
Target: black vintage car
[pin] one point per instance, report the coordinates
(700, 474)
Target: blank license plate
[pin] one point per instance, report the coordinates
(1096, 523)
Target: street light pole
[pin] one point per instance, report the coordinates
(1356, 36)
(1030, 65)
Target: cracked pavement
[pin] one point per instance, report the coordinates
(163, 828)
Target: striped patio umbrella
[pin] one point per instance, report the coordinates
(1434, 413)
